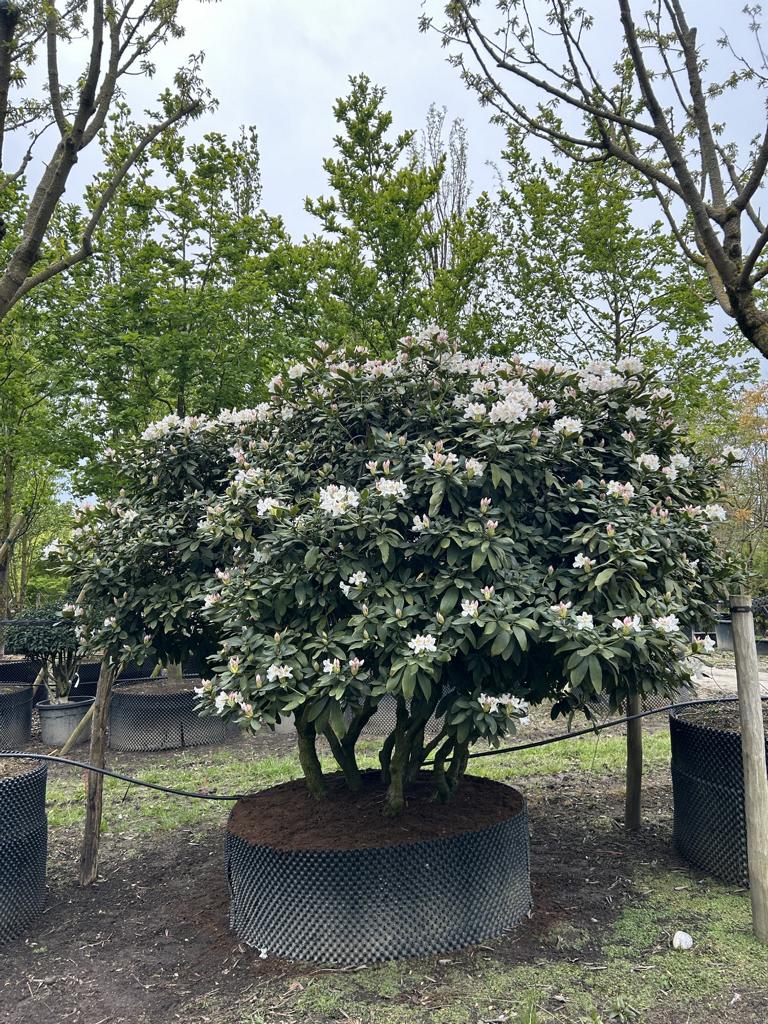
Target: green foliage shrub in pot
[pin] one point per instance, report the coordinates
(53, 637)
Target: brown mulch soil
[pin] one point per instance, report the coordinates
(720, 716)
(12, 767)
(287, 817)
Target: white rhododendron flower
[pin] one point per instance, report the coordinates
(279, 672)
(332, 667)
(268, 506)
(516, 405)
(582, 561)
(391, 488)
(630, 364)
(624, 492)
(584, 621)
(666, 624)
(568, 425)
(440, 460)
(629, 624)
(704, 646)
(716, 513)
(470, 609)
(634, 412)
(475, 411)
(420, 523)
(561, 609)
(357, 579)
(424, 643)
(336, 500)
(680, 462)
(474, 467)
(649, 461)
(297, 371)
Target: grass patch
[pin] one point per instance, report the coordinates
(234, 770)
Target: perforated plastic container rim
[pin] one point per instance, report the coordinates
(381, 903)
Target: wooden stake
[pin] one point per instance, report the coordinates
(89, 854)
(753, 757)
(77, 732)
(633, 798)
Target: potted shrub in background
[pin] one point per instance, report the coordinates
(463, 535)
(53, 638)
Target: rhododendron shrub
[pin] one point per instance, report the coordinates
(469, 536)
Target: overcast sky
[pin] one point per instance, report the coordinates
(280, 64)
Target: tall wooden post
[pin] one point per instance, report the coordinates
(633, 797)
(753, 756)
(89, 854)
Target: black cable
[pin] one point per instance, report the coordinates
(606, 725)
(484, 753)
(118, 775)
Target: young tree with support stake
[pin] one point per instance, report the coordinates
(659, 110)
(465, 535)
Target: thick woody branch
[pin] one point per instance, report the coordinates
(751, 261)
(85, 248)
(90, 84)
(54, 86)
(687, 186)
(7, 31)
(687, 39)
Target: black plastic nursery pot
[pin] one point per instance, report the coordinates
(15, 715)
(708, 786)
(23, 846)
(386, 901)
(19, 670)
(145, 717)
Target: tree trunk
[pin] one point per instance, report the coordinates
(346, 760)
(89, 853)
(310, 762)
(394, 802)
(752, 321)
(16, 528)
